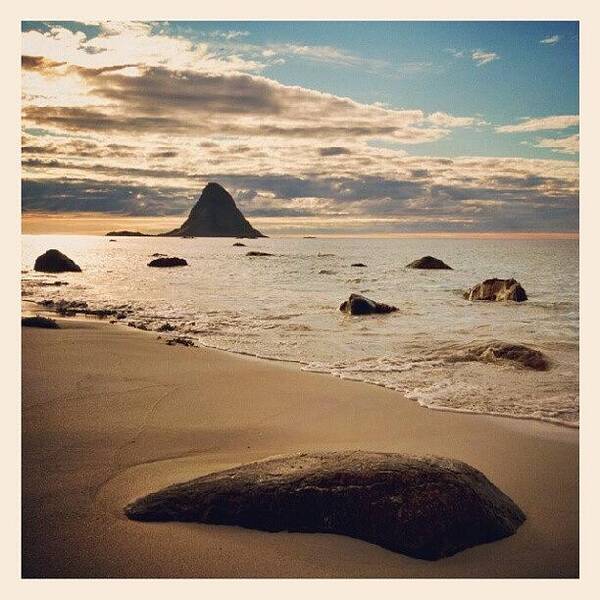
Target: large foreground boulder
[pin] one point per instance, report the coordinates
(53, 261)
(215, 215)
(361, 305)
(428, 262)
(497, 290)
(424, 507)
(515, 353)
(169, 261)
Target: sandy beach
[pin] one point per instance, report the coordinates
(110, 414)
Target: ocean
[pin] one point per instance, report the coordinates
(285, 307)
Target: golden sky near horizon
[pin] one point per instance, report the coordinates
(133, 119)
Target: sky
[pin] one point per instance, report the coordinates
(327, 127)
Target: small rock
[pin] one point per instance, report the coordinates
(238, 245)
(358, 265)
(180, 340)
(428, 262)
(360, 305)
(171, 261)
(38, 321)
(258, 253)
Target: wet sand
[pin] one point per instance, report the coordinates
(110, 414)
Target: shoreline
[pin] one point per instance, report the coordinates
(47, 311)
(109, 415)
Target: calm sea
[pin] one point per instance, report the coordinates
(285, 307)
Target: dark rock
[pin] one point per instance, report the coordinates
(171, 261)
(53, 261)
(258, 253)
(112, 240)
(158, 254)
(326, 272)
(310, 237)
(517, 353)
(166, 327)
(38, 321)
(181, 341)
(428, 262)
(360, 305)
(497, 290)
(424, 507)
(126, 233)
(215, 215)
(239, 245)
(358, 265)
(66, 307)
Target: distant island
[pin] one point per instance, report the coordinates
(215, 214)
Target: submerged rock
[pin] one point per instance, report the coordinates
(428, 262)
(361, 305)
(517, 353)
(170, 261)
(38, 321)
(497, 290)
(54, 261)
(258, 253)
(424, 507)
(215, 215)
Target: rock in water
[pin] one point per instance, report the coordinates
(498, 290)
(170, 261)
(215, 215)
(428, 262)
(53, 261)
(360, 305)
(424, 507)
(517, 353)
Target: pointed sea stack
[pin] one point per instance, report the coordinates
(215, 215)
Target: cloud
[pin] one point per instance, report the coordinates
(566, 145)
(120, 98)
(483, 57)
(540, 124)
(229, 35)
(456, 53)
(134, 120)
(551, 40)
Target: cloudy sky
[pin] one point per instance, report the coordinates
(328, 127)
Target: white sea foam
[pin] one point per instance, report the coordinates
(283, 308)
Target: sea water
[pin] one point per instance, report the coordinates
(285, 307)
